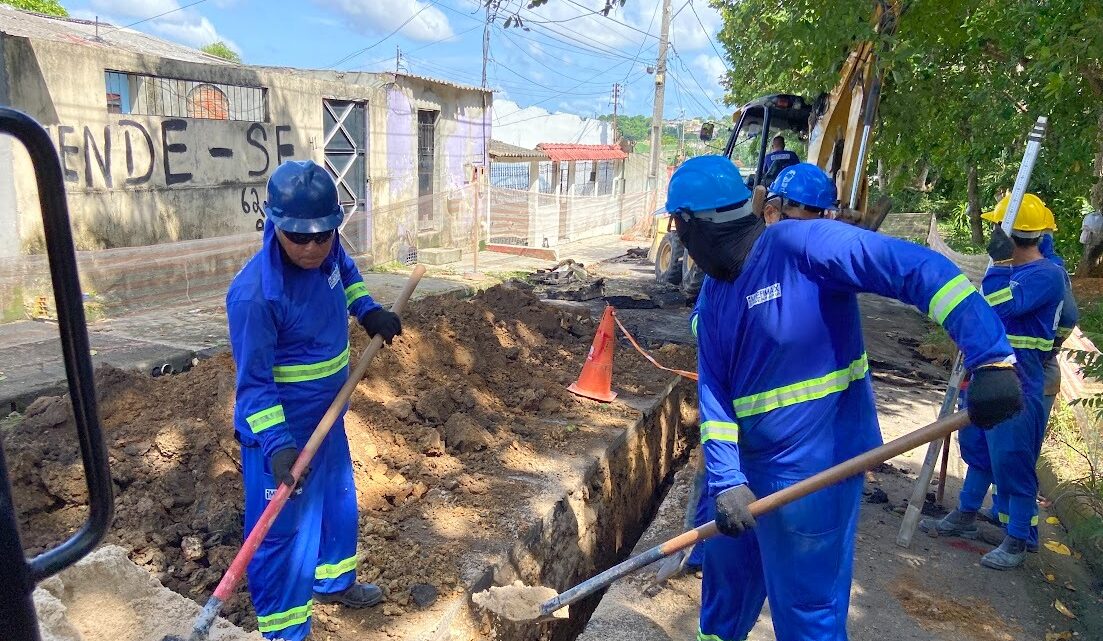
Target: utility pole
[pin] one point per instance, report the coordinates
(660, 95)
(616, 102)
(482, 176)
(397, 58)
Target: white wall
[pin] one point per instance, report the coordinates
(531, 126)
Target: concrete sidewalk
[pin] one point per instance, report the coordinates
(30, 351)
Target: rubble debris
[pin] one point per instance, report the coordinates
(877, 496)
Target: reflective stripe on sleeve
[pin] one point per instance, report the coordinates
(265, 418)
(355, 291)
(719, 431)
(999, 296)
(809, 390)
(948, 297)
(311, 371)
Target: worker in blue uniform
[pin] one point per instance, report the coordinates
(777, 159)
(785, 392)
(288, 313)
(788, 189)
(1070, 316)
(1028, 291)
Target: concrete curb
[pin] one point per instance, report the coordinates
(1076, 516)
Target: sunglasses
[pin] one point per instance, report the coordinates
(299, 238)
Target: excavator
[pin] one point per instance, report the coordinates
(833, 131)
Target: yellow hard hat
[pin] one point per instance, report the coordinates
(1033, 215)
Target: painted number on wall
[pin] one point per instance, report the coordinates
(250, 205)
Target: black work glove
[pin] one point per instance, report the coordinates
(995, 395)
(281, 463)
(380, 322)
(1000, 246)
(733, 514)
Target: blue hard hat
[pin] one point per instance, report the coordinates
(302, 198)
(806, 184)
(705, 183)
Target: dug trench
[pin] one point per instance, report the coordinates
(473, 466)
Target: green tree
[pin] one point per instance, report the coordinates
(965, 79)
(48, 7)
(222, 50)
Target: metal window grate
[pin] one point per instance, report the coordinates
(131, 93)
(510, 175)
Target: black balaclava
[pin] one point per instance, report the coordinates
(719, 249)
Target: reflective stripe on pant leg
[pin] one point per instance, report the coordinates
(336, 569)
(732, 587)
(282, 570)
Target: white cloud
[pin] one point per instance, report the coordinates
(134, 8)
(686, 30)
(712, 67)
(186, 26)
(193, 30)
(377, 17)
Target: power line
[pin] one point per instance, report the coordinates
(384, 38)
(552, 69)
(165, 13)
(706, 32)
(425, 46)
(606, 17)
(540, 102)
(643, 42)
(694, 78)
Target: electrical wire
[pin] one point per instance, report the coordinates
(354, 54)
(552, 69)
(425, 46)
(706, 32)
(164, 13)
(614, 20)
(694, 78)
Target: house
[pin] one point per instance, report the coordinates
(160, 143)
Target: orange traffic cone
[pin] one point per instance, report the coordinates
(596, 379)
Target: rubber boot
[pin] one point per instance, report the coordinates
(956, 523)
(1011, 554)
(358, 595)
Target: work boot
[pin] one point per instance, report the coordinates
(956, 523)
(989, 514)
(1010, 554)
(995, 535)
(358, 595)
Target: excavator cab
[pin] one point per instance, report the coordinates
(756, 125)
(748, 145)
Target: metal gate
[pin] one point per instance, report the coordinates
(426, 164)
(345, 128)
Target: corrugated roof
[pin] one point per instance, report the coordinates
(447, 83)
(83, 32)
(499, 149)
(565, 151)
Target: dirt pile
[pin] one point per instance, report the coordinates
(966, 619)
(106, 596)
(444, 430)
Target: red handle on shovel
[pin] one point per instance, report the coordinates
(233, 575)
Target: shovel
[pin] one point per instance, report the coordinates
(202, 628)
(543, 608)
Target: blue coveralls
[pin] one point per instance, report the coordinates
(290, 340)
(785, 393)
(1070, 316)
(1028, 299)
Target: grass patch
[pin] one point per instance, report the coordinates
(937, 347)
(1091, 318)
(1078, 465)
(516, 274)
(955, 231)
(390, 267)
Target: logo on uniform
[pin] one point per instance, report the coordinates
(764, 294)
(270, 492)
(335, 277)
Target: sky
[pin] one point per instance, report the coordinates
(568, 60)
